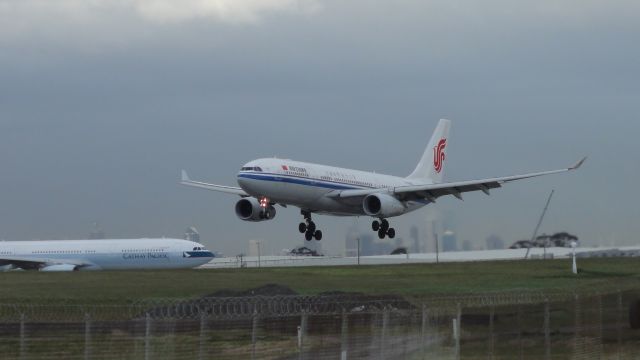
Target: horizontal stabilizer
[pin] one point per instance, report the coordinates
(213, 187)
(185, 176)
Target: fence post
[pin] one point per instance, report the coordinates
(547, 331)
(344, 346)
(383, 340)
(374, 331)
(147, 337)
(254, 333)
(577, 327)
(459, 331)
(600, 332)
(87, 336)
(492, 311)
(23, 343)
(619, 324)
(302, 330)
(423, 331)
(520, 345)
(203, 336)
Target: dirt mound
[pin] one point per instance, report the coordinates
(265, 290)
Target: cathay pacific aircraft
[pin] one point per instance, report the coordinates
(73, 255)
(319, 189)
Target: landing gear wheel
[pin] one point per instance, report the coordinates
(308, 235)
(375, 225)
(392, 233)
(311, 227)
(318, 235)
(302, 228)
(384, 225)
(381, 234)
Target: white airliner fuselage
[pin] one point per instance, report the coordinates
(344, 192)
(120, 254)
(307, 185)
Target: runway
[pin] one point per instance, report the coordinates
(457, 256)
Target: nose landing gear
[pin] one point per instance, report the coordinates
(383, 229)
(308, 228)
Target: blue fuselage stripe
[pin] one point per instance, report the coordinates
(200, 254)
(300, 181)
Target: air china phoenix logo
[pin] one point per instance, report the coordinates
(438, 155)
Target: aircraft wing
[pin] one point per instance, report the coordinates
(433, 191)
(38, 263)
(220, 188)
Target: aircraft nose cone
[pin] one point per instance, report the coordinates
(242, 181)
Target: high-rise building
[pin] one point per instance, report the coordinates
(255, 248)
(449, 241)
(313, 245)
(466, 245)
(192, 234)
(351, 242)
(97, 233)
(494, 242)
(432, 230)
(415, 239)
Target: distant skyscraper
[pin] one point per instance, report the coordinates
(351, 242)
(192, 234)
(494, 242)
(466, 245)
(314, 245)
(432, 228)
(255, 248)
(449, 241)
(97, 233)
(415, 239)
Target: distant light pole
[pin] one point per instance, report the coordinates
(573, 254)
(259, 251)
(358, 250)
(437, 249)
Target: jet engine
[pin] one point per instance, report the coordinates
(382, 206)
(249, 209)
(59, 267)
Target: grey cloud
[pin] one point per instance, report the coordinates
(101, 108)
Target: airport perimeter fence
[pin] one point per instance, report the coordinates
(340, 326)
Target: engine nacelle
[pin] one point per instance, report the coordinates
(59, 267)
(382, 206)
(249, 209)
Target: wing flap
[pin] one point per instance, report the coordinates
(37, 263)
(433, 191)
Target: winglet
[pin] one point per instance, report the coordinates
(185, 176)
(578, 164)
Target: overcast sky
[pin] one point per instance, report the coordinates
(102, 102)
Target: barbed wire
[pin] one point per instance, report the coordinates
(274, 306)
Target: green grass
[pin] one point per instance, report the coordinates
(410, 280)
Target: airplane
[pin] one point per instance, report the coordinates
(120, 254)
(327, 190)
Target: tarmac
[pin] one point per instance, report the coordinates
(418, 258)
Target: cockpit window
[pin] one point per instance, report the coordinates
(251, 168)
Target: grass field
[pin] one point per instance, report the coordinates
(409, 280)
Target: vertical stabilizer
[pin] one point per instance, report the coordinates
(431, 167)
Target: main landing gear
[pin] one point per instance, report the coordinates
(308, 228)
(383, 229)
